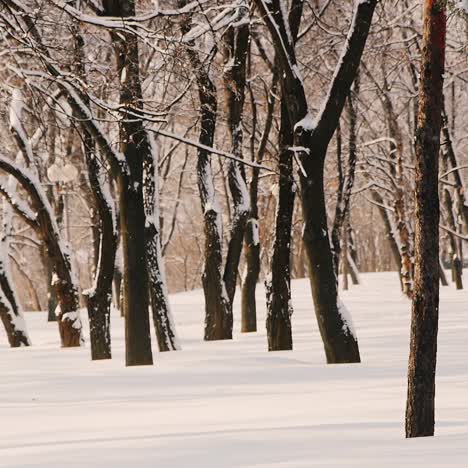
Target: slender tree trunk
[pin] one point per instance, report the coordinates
(99, 298)
(425, 307)
(278, 283)
(104, 233)
(10, 313)
(218, 310)
(252, 238)
(234, 77)
(443, 277)
(352, 255)
(162, 317)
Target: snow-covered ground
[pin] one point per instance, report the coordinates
(233, 404)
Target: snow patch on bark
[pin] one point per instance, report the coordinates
(348, 325)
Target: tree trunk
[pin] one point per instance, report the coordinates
(339, 341)
(218, 310)
(236, 40)
(162, 317)
(425, 307)
(10, 313)
(104, 232)
(443, 277)
(134, 145)
(252, 237)
(278, 284)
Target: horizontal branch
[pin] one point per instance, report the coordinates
(211, 150)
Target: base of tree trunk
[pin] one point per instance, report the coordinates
(70, 336)
(99, 330)
(279, 311)
(248, 301)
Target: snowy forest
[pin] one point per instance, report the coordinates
(262, 203)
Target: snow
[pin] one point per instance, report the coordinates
(232, 404)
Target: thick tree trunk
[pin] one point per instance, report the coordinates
(339, 341)
(425, 308)
(135, 146)
(278, 283)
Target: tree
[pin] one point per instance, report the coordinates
(425, 305)
(311, 139)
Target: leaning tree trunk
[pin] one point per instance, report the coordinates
(346, 181)
(234, 77)
(425, 308)
(99, 298)
(278, 283)
(352, 254)
(104, 234)
(218, 310)
(134, 145)
(10, 313)
(162, 317)
(252, 237)
(311, 139)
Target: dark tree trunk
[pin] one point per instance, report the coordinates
(104, 232)
(118, 289)
(425, 308)
(352, 254)
(134, 145)
(236, 40)
(278, 284)
(311, 139)
(162, 317)
(218, 311)
(99, 298)
(442, 276)
(346, 181)
(252, 272)
(252, 237)
(339, 341)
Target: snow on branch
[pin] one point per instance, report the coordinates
(21, 208)
(33, 188)
(116, 22)
(211, 150)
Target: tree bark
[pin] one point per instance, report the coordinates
(425, 305)
(10, 313)
(278, 284)
(162, 317)
(236, 41)
(135, 146)
(218, 310)
(252, 238)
